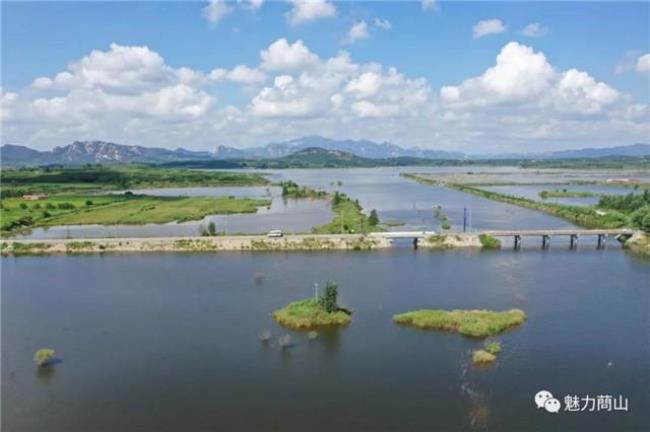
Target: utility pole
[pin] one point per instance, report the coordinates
(464, 219)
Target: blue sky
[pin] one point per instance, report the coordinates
(431, 48)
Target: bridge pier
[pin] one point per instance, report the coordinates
(517, 242)
(546, 241)
(573, 243)
(415, 242)
(602, 241)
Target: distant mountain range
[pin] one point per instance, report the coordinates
(363, 148)
(82, 152)
(367, 153)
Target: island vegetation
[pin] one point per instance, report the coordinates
(475, 323)
(564, 193)
(44, 357)
(487, 354)
(349, 218)
(315, 312)
(291, 189)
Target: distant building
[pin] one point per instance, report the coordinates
(34, 197)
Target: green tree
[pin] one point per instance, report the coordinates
(212, 229)
(89, 202)
(328, 300)
(337, 198)
(23, 206)
(373, 219)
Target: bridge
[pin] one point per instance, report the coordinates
(518, 235)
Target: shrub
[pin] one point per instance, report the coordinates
(44, 356)
(489, 242)
(89, 203)
(23, 206)
(373, 219)
(493, 347)
(482, 356)
(329, 299)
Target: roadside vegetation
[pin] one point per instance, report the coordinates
(316, 312)
(475, 323)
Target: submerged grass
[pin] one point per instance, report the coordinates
(476, 323)
(308, 314)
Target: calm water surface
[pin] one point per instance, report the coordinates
(169, 342)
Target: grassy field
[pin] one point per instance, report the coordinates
(97, 178)
(117, 209)
(476, 323)
(308, 314)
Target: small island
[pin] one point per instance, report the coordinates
(316, 312)
(488, 354)
(475, 323)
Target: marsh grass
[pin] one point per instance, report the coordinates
(309, 314)
(475, 323)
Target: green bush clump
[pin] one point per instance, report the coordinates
(476, 323)
(43, 356)
(489, 242)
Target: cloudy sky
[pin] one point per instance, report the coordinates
(476, 77)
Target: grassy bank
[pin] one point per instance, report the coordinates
(584, 216)
(476, 323)
(308, 314)
(117, 209)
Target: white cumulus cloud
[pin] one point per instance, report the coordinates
(643, 63)
(281, 55)
(216, 10)
(534, 30)
(488, 27)
(310, 10)
(383, 24)
(359, 30)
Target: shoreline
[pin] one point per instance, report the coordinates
(290, 242)
(638, 243)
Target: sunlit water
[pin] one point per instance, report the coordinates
(169, 342)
